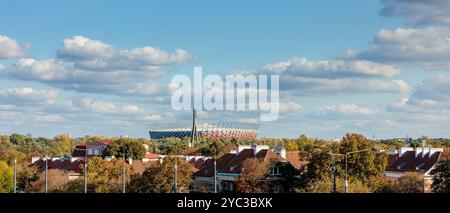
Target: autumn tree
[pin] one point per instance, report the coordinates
(6, 177)
(160, 178)
(56, 181)
(441, 177)
(411, 182)
(105, 176)
(252, 178)
(131, 149)
(62, 145)
(325, 185)
(364, 165)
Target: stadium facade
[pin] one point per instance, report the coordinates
(231, 129)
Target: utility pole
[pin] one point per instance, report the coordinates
(15, 174)
(46, 174)
(175, 186)
(123, 171)
(215, 175)
(334, 178)
(346, 173)
(85, 171)
(194, 128)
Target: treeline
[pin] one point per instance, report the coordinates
(23, 147)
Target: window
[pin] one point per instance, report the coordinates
(275, 170)
(90, 152)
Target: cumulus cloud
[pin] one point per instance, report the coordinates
(419, 12)
(96, 55)
(91, 66)
(326, 87)
(10, 49)
(64, 75)
(346, 110)
(299, 76)
(27, 96)
(289, 106)
(95, 106)
(429, 103)
(429, 47)
(331, 69)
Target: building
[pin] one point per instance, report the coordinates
(216, 130)
(230, 164)
(97, 148)
(71, 165)
(408, 159)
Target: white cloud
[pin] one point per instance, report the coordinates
(286, 107)
(10, 49)
(132, 109)
(429, 47)
(95, 106)
(347, 110)
(64, 75)
(96, 55)
(331, 68)
(91, 66)
(419, 12)
(298, 76)
(27, 96)
(326, 87)
(48, 118)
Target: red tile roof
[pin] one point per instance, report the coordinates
(66, 165)
(151, 156)
(409, 162)
(232, 163)
(293, 158)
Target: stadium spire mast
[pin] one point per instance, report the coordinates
(194, 128)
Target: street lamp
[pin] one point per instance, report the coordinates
(15, 174)
(346, 155)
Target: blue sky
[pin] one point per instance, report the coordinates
(398, 51)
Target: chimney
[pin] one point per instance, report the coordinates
(34, 159)
(130, 161)
(403, 150)
(281, 152)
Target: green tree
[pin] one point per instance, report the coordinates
(62, 145)
(132, 149)
(103, 176)
(6, 177)
(291, 146)
(215, 148)
(326, 186)
(441, 177)
(363, 165)
(169, 146)
(160, 178)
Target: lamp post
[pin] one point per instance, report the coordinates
(215, 176)
(15, 174)
(85, 170)
(46, 174)
(346, 155)
(123, 170)
(175, 170)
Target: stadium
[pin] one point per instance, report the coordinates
(231, 129)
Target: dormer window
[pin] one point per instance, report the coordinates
(275, 170)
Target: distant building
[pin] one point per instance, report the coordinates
(93, 149)
(408, 159)
(71, 165)
(230, 164)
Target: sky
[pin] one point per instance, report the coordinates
(379, 68)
